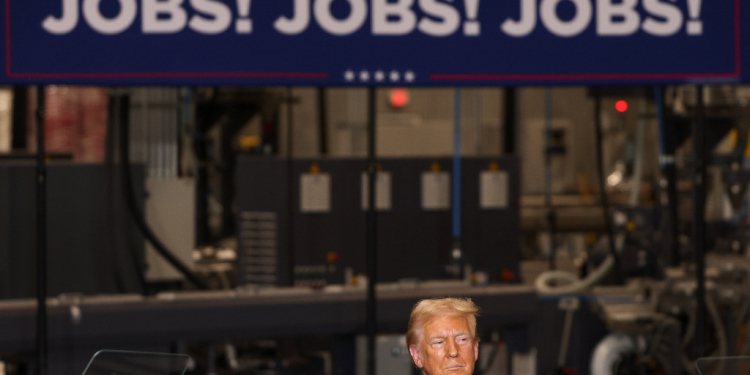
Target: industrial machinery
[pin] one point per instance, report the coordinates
(652, 319)
(313, 233)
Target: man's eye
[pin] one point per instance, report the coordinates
(439, 342)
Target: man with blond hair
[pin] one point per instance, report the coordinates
(442, 337)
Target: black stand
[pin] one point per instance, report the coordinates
(699, 220)
(372, 245)
(41, 236)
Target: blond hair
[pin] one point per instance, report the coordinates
(428, 309)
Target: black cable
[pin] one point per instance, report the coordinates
(602, 185)
(133, 206)
(118, 109)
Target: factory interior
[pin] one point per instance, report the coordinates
(232, 225)
(239, 187)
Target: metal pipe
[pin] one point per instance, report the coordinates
(667, 163)
(371, 235)
(457, 253)
(290, 179)
(699, 222)
(659, 106)
(477, 111)
(322, 121)
(19, 121)
(640, 140)
(551, 216)
(41, 236)
(509, 126)
(602, 183)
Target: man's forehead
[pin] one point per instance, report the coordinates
(445, 333)
(444, 325)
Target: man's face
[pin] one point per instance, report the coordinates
(447, 347)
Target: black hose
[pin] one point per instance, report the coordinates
(602, 187)
(133, 206)
(114, 110)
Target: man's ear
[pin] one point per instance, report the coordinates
(415, 356)
(476, 350)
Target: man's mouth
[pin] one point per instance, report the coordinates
(453, 367)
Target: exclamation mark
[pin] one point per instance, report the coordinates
(694, 25)
(471, 26)
(244, 24)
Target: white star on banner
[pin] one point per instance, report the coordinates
(364, 76)
(349, 75)
(409, 76)
(379, 76)
(395, 76)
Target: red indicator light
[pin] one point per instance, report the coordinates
(399, 98)
(621, 106)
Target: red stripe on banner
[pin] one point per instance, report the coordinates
(576, 77)
(171, 75)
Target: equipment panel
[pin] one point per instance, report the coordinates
(283, 241)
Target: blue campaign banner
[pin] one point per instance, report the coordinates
(375, 42)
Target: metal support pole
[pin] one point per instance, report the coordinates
(668, 141)
(477, 112)
(551, 215)
(322, 121)
(699, 222)
(457, 253)
(41, 236)
(371, 235)
(602, 183)
(509, 126)
(19, 121)
(291, 207)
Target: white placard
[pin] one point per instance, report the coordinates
(382, 191)
(315, 192)
(436, 191)
(493, 190)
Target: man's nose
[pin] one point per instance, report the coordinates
(452, 349)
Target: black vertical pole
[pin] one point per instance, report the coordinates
(371, 250)
(602, 183)
(551, 214)
(291, 207)
(322, 121)
(19, 124)
(509, 128)
(122, 120)
(699, 215)
(41, 236)
(670, 174)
